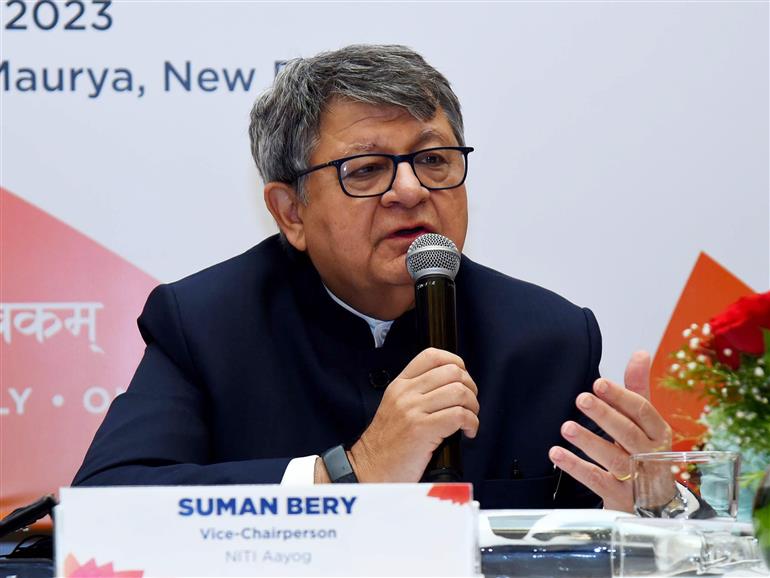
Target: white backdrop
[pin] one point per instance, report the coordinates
(614, 141)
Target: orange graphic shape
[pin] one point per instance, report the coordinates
(45, 426)
(455, 493)
(709, 289)
(73, 569)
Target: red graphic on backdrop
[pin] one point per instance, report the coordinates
(68, 344)
(74, 569)
(455, 493)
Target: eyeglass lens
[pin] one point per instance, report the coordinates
(373, 174)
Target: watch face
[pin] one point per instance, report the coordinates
(675, 508)
(338, 466)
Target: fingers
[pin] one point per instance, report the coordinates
(624, 431)
(448, 421)
(440, 397)
(638, 410)
(637, 375)
(429, 359)
(444, 375)
(607, 454)
(430, 400)
(447, 393)
(615, 493)
(452, 394)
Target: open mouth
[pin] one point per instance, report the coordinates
(410, 233)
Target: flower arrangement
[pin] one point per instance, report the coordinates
(727, 360)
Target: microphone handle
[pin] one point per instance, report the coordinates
(437, 327)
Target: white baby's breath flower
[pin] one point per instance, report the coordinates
(743, 390)
(724, 392)
(739, 414)
(682, 375)
(675, 367)
(702, 358)
(706, 329)
(759, 372)
(694, 343)
(675, 469)
(706, 408)
(685, 476)
(686, 333)
(727, 351)
(694, 326)
(681, 355)
(692, 365)
(690, 382)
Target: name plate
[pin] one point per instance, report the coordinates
(270, 530)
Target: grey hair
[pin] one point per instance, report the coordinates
(286, 117)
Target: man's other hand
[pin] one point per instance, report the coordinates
(430, 400)
(625, 414)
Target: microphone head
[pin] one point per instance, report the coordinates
(432, 254)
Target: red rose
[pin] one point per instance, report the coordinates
(738, 329)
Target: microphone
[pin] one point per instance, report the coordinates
(433, 261)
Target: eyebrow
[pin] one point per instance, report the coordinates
(359, 148)
(426, 135)
(430, 134)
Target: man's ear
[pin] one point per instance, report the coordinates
(283, 202)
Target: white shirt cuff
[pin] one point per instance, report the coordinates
(300, 472)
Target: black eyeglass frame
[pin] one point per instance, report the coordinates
(397, 159)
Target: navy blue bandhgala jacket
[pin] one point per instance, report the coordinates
(250, 363)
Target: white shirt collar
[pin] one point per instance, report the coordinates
(378, 327)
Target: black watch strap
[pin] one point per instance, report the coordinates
(338, 466)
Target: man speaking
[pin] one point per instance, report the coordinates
(306, 345)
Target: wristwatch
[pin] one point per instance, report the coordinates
(338, 466)
(674, 508)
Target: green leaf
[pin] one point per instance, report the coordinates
(762, 523)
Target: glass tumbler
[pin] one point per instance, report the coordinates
(699, 485)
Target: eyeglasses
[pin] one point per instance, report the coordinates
(372, 175)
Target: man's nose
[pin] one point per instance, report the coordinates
(406, 188)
